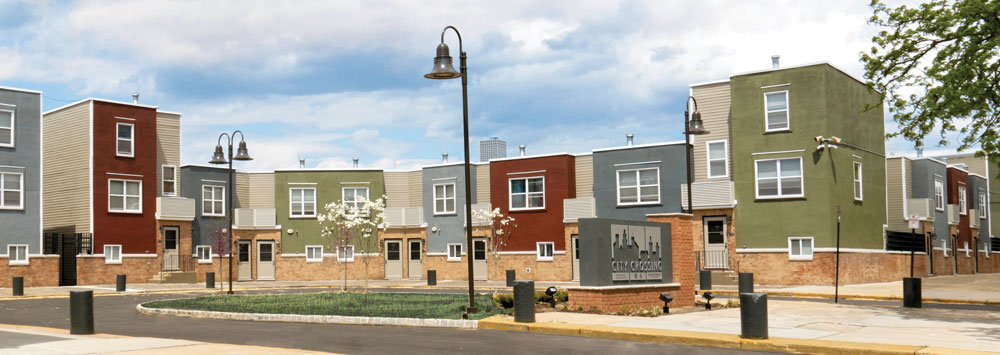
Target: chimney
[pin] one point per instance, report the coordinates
(444, 157)
(630, 136)
(774, 61)
(356, 162)
(522, 147)
(135, 98)
(302, 163)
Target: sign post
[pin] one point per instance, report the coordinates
(914, 224)
(836, 277)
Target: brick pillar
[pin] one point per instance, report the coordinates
(682, 234)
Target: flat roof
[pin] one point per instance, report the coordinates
(637, 146)
(20, 89)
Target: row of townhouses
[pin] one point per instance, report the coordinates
(792, 171)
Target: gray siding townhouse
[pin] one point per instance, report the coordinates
(207, 186)
(444, 200)
(20, 177)
(633, 181)
(919, 187)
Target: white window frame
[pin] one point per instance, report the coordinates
(131, 140)
(110, 253)
(14, 257)
(812, 248)
(291, 191)
(982, 204)
(709, 160)
(198, 252)
(124, 196)
(756, 179)
(939, 201)
(445, 199)
(451, 255)
(859, 182)
(963, 200)
(20, 191)
(638, 187)
(164, 180)
(213, 200)
(545, 251)
(13, 121)
(527, 194)
(340, 253)
(788, 113)
(317, 250)
(343, 196)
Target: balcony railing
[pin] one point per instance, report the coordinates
(576, 208)
(180, 208)
(402, 217)
(974, 218)
(922, 207)
(708, 194)
(254, 217)
(953, 215)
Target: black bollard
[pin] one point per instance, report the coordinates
(209, 280)
(17, 286)
(120, 283)
(511, 277)
(705, 279)
(753, 315)
(432, 277)
(81, 312)
(524, 301)
(912, 297)
(746, 282)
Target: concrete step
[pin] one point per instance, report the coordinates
(175, 277)
(720, 278)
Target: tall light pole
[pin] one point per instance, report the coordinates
(444, 70)
(219, 158)
(692, 125)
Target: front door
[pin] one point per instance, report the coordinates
(479, 271)
(243, 261)
(415, 269)
(393, 259)
(265, 260)
(171, 254)
(67, 259)
(716, 248)
(576, 257)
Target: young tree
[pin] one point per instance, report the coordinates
(219, 242)
(345, 226)
(937, 67)
(500, 228)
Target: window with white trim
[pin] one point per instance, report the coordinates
(302, 202)
(444, 198)
(858, 192)
(11, 191)
(352, 197)
(6, 128)
(213, 202)
(800, 248)
(124, 196)
(545, 250)
(638, 186)
(125, 140)
(527, 193)
(718, 160)
(204, 253)
(454, 252)
(169, 183)
(112, 254)
(963, 204)
(776, 115)
(779, 178)
(314, 253)
(982, 204)
(17, 254)
(345, 253)
(938, 195)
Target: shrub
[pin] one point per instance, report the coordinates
(504, 300)
(562, 295)
(542, 297)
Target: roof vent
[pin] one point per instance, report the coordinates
(444, 157)
(135, 98)
(302, 163)
(522, 147)
(630, 136)
(356, 162)
(774, 61)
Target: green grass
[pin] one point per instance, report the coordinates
(398, 305)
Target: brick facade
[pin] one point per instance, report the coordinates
(41, 271)
(92, 270)
(622, 299)
(681, 225)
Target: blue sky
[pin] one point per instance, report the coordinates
(327, 81)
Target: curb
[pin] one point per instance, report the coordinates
(855, 297)
(318, 319)
(716, 340)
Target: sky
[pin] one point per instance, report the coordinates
(330, 80)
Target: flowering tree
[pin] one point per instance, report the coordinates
(350, 225)
(219, 242)
(501, 228)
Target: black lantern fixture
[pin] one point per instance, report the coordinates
(551, 292)
(692, 125)
(219, 158)
(666, 297)
(708, 296)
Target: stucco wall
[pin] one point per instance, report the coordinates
(668, 158)
(195, 178)
(450, 226)
(542, 225)
(23, 226)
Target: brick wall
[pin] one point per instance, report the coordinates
(91, 270)
(618, 300)
(40, 271)
(682, 229)
(296, 268)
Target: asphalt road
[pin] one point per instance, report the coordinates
(117, 315)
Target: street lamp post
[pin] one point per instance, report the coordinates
(219, 158)
(692, 125)
(444, 70)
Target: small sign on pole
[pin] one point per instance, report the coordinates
(914, 221)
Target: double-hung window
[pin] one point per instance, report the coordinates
(444, 198)
(353, 195)
(212, 200)
(112, 254)
(345, 253)
(17, 254)
(125, 196)
(314, 253)
(800, 248)
(638, 186)
(858, 192)
(776, 115)
(11, 191)
(545, 250)
(779, 178)
(126, 140)
(169, 180)
(527, 193)
(204, 254)
(939, 195)
(454, 252)
(963, 204)
(717, 159)
(6, 126)
(302, 202)
(982, 204)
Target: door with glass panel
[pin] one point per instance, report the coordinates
(393, 260)
(479, 270)
(415, 269)
(576, 257)
(171, 254)
(716, 247)
(265, 260)
(243, 266)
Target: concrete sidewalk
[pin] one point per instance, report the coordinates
(970, 289)
(15, 339)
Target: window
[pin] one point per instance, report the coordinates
(939, 195)
(800, 248)
(113, 254)
(11, 191)
(527, 193)
(212, 201)
(858, 192)
(6, 127)
(302, 202)
(126, 140)
(454, 252)
(204, 254)
(169, 180)
(125, 196)
(545, 250)
(717, 159)
(982, 204)
(638, 186)
(314, 253)
(444, 198)
(963, 207)
(779, 178)
(777, 111)
(17, 254)
(352, 196)
(345, 253)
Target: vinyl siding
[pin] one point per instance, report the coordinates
(896, 197)
(483, 183)
(397, 189)
(976, 165)
(713, 103)
(168, 148)
(415, 180)
(261, 190)
(585, 176)
(242, 190)
(66, 169)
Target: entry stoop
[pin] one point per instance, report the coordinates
(175, 277)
